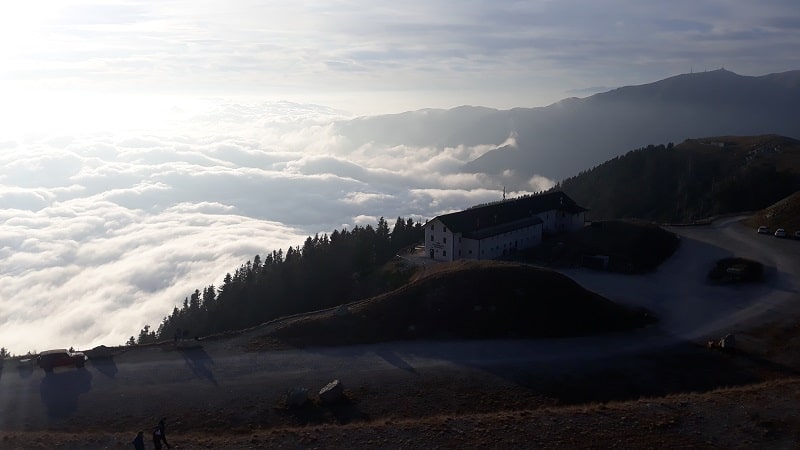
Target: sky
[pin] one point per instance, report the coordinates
(147, 148)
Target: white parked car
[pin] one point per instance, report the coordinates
(780, 232)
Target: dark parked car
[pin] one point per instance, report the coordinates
(60, 357)
(763, 230)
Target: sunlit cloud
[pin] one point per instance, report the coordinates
(122, 227)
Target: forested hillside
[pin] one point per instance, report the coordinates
(694, 180)
(326, 271)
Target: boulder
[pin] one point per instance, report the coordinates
(297, 396)
(331, 392)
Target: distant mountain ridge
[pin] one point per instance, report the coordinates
(575, 134)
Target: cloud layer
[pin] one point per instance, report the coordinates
(103, 233)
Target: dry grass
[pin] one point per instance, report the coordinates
(783, 214)
(758, 416)
(472, 299)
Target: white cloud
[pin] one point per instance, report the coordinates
(102, 233)
(539, 183)
(363, 198)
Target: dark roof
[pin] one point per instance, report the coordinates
(502, 228)
(478, 220)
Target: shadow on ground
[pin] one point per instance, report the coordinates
(395, 360)
(106, 366)
(199, 362)
(60, 391)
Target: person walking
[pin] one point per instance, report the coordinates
(138, 441)
(160, 435)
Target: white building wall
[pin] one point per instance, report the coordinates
(508, 242)
(441, 244)
(438, 241)
(470, 249)
(577, 221)
(549, 221)
(556, 221)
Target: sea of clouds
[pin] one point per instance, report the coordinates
(103, 232)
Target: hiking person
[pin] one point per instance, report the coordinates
(138, 441)
(159, 435)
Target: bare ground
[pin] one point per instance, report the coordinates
(758, 416)
(699, 398)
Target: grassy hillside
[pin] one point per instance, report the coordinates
(693, 180)
(468, 300)
(783, 214)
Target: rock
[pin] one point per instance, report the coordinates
(728, 342)
(331, 392)
(297, 396)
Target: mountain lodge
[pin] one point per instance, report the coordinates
(497, 229)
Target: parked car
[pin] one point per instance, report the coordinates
(780, 232)
(797, 234)
(60, 357)
(763, 230)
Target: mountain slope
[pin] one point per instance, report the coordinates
(575, 134)
(783, 214)
(693, 180)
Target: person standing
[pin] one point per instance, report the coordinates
(160, 435)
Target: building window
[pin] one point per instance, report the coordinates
(445, 229)
(444, 240)
(431, 238)
(470, 252)
(459, 253)
(444, 252)
(432, 227)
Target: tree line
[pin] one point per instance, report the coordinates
(325, 271)
(680, 183)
